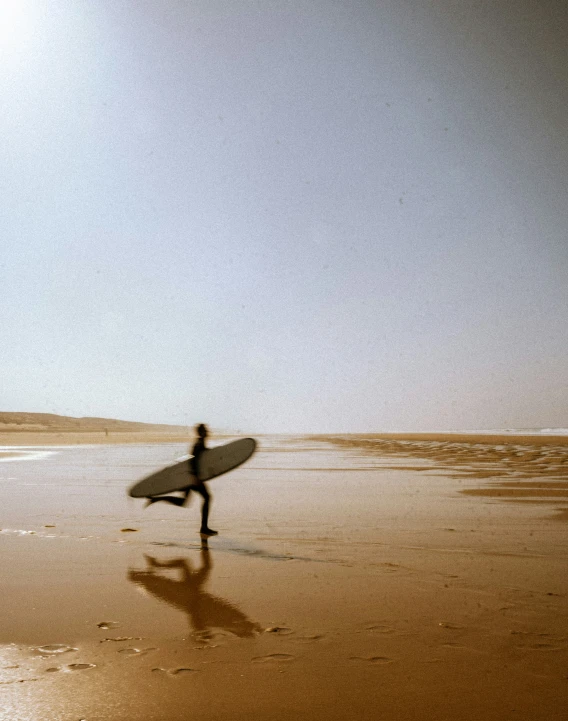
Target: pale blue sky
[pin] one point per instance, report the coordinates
(295, 217)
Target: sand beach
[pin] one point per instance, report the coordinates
(368, 577)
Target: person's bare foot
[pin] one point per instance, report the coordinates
(208, 532)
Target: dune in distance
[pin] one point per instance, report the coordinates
(49, 428)
(51, 422)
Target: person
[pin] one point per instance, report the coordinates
(197, 485)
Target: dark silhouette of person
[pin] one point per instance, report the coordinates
(196, 485)
(205, 611)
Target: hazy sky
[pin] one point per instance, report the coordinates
(286, 216)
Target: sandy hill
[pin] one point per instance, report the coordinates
(15, 421)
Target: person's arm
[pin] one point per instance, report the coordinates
(198, 448)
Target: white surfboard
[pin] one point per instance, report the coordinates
(212, 463)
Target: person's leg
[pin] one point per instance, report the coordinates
(174, 500)
(204, 493)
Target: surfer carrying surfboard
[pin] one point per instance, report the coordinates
(197, 485)
(183, 477)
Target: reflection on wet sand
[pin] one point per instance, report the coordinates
(206, 613)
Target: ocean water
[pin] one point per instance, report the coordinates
(520, 431)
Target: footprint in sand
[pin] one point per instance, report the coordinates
(54, 648)
(131, 651)
(309, 639)
(19, 680)
(279, 630)
(80, 666)
(379, 628)
(375, 660)
(106, 625)
(176, 671)
(388, 567)
(273, 657)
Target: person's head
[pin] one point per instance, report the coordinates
(201, 430)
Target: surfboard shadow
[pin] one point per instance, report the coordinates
(206, 613)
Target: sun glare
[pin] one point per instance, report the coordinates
(16, 24)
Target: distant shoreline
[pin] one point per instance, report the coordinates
(471, 437)
(26, 437)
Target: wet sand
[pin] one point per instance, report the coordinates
(353, 577)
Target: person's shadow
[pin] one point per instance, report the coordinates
(205, 612)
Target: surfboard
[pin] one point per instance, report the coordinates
(212, 463)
